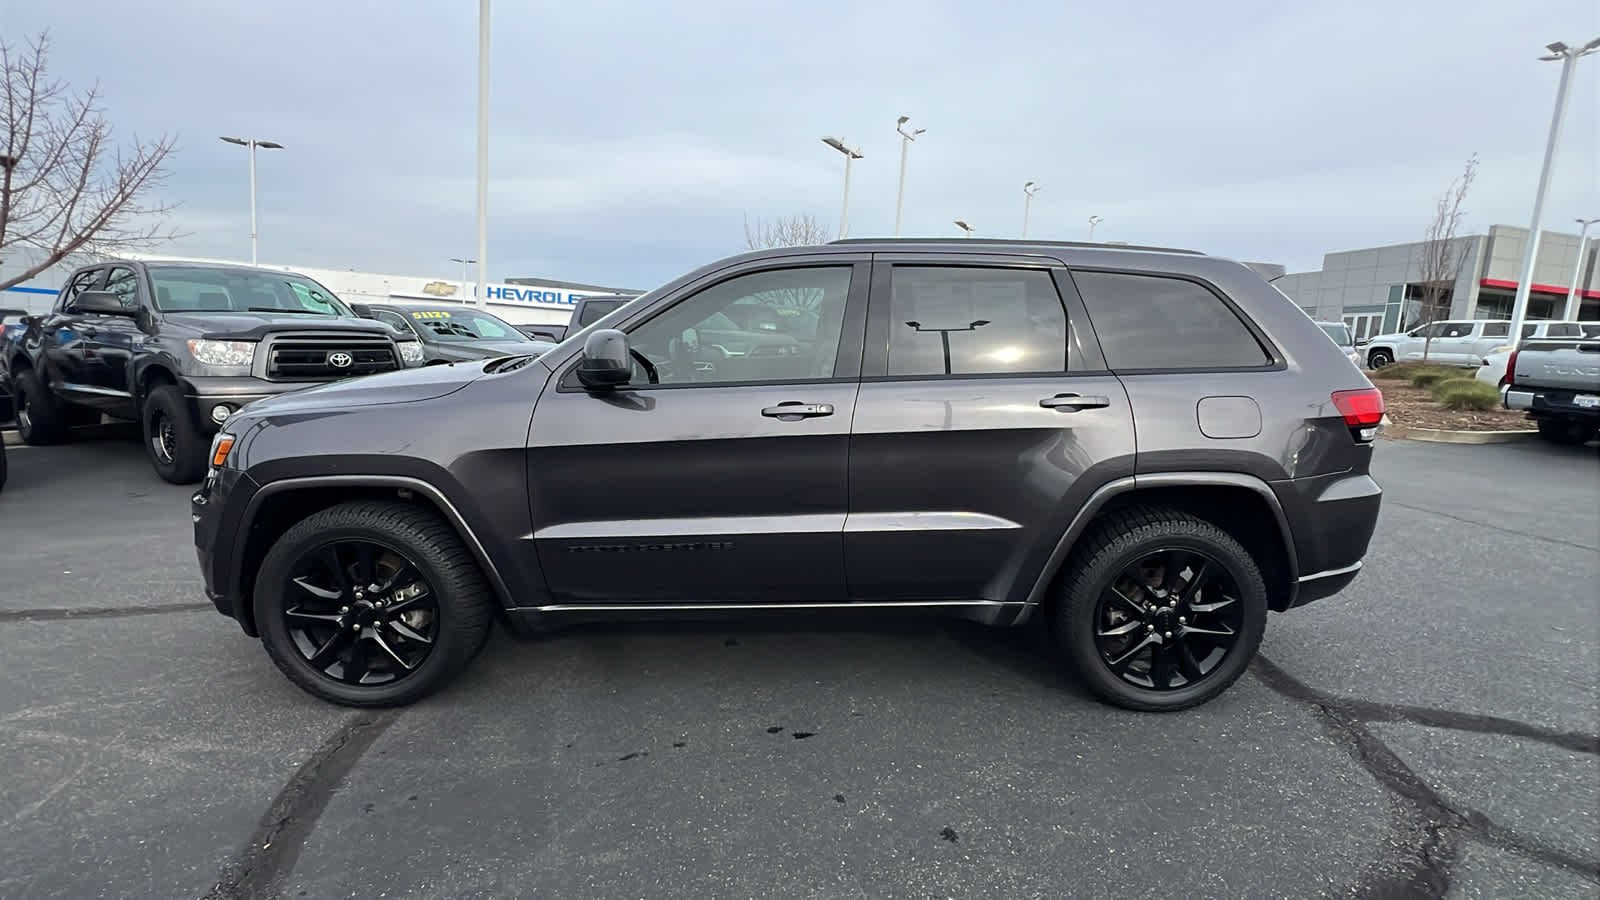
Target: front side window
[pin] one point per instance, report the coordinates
(1455, 329)
(125, 284)
(975, 321)
(700, 341)
(197, 289)
(1162, 323)
(1563, 330)
(393, 320)
(595, 310)
(79, 283)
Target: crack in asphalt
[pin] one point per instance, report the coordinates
(1435, 828)
(257, 871)
(1477, 523)
(97, 612)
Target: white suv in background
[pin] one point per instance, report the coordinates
(1459, 342)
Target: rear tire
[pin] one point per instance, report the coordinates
(1167, 645)
(41, 417)
(457, 601)
(1565, 432)
(177, 449)
(1377, 359)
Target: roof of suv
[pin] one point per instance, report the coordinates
(919, 242)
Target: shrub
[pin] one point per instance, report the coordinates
(1428, 376)
(1466, 393)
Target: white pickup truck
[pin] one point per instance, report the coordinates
(1558, 383)
(1458, 342)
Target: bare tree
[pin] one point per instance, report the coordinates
(65, 188)
(801, 230)
(1442, 254)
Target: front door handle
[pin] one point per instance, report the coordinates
(794, 410)
(1074, 402)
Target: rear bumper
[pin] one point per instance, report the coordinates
(1550, 402)
(1332, 518)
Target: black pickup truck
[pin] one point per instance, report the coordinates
(179, 347)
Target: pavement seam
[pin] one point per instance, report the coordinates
(257, 871)
(1438, 827)
(1490, 525)
(97, 612)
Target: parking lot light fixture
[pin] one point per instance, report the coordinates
(466, 288)
(1573, 303)
(1568, 57)
(906, 137)
(1093, 221)
(850, 154)
(1028, 190)
(961, 224)
(251, 144)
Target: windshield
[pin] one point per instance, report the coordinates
(462, 324)
(1339, 333)
(181, 289)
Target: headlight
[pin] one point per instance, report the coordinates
(223, 353)
(411, 352)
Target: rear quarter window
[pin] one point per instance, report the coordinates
(1156, 322)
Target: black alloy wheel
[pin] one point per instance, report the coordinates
(1168, 620)
(1160, 610)
(371, 603)
(1379, 358)
(361, 613)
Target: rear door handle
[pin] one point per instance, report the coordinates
(1074, 402)
(794, 409)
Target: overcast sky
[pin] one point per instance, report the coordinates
(630, 140)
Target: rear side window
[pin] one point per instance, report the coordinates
(1155, 322)
(1496, 329)
(1564, 330)
(975, 321)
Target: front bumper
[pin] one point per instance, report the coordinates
(217, 509)
(209, 392)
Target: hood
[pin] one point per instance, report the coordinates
(403, 386)
(248, 326)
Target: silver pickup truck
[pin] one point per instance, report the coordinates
(1558, 383)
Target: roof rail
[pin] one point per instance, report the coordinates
(1012, 242)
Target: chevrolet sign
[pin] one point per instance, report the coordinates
(439, 289)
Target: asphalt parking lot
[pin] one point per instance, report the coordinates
(1430, 732)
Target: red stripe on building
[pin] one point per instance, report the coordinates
(1541, 288)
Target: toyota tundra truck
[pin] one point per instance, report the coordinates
(1558, 383)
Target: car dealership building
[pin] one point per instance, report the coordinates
(1376, 290)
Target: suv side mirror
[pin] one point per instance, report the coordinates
(101, 303)
(607, 361)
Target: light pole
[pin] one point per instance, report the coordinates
(964, 227)
(1573, 302)
(1569, 61)
(464, 264)
(905, 142)
(850, 153)
(944, 336)
(483, 145)
(1028, 190)
(251, 144)
(1093, 221)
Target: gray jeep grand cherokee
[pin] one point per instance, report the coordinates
(1145, 449)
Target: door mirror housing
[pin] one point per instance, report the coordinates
(101, 303)
(607, 361)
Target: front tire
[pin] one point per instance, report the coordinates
(1377, 359)
(331, 633)
(41, 417)
(1161, 611)
(176, 447)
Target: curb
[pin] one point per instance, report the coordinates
(1445, 436)
(10, 438)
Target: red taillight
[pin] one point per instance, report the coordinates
(1361, 409)
(1511, 369)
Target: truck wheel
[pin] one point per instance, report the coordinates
(41, 418)
(176, 447)
(1161, 611)
(1377, 359)
(1562, 431)
(371, 604)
